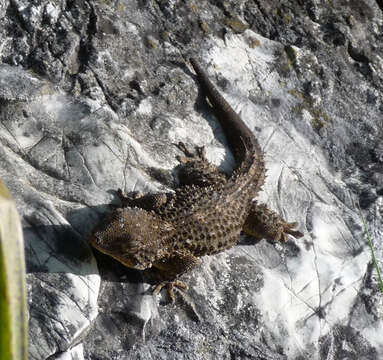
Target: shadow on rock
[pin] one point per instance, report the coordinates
(66, 248)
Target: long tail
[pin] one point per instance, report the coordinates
(244, 144)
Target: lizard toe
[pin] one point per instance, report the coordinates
(169, 285)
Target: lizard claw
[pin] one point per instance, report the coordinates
(181, 146)
(288, 228)
(170, 288)
(199, 153)
(125, 198)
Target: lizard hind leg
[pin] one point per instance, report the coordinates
(196, 170)
(266, 224)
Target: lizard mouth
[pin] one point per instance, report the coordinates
(127, 261)
(120, 255)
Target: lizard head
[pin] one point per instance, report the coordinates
(133, 236)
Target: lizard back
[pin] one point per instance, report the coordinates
(210, 219)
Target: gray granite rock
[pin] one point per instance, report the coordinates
(94, 95)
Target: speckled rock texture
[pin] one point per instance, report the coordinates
(94, 94)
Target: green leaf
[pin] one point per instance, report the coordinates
(13, 310)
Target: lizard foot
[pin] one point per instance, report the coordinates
(287, 228)
(138, 199)
(266, 224)
(196, 170)
(198, 154)
(170, 288)
(126, 198)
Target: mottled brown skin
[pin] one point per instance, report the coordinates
(166, 233)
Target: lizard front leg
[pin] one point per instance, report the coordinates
(266, 224)
(166, 272)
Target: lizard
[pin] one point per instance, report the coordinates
(166, 233)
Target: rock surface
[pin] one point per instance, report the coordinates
(93, 96)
